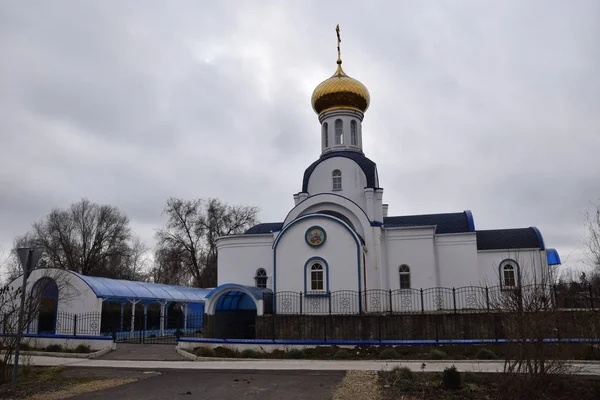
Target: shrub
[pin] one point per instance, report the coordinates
(485, 354)
(451, 378)
(83, 349)
(54, 348)
(224, 352)
(388, 354)
(436, 354)
(249, 353)
(204, 352)
(402, 373)
(25, 346)
(341, 354)
(295, 354)
(470, 377)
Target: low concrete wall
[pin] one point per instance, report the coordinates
(70, 342)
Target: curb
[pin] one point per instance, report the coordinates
(187, 355)
(65, 355)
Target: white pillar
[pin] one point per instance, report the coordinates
(133, 303)
(185, 315)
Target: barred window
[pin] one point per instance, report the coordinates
(261, 278)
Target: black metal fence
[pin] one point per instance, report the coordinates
(467, 299)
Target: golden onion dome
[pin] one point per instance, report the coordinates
(340, 91)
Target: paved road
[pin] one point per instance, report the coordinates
(289, 365)
(225, 385)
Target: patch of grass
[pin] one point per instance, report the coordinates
(436, 354)
(485, 354)
(388, 354)
(451, 378)
(341, 354)
(54, 348)
(224, 352)
(295, 354)
(249, 353)
(470, 377)
(83, 349)
(204, 352)
(403, 373)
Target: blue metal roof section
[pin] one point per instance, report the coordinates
(107, 288)
(368, 167)
(552, 257)
(267, 227)
(500, 239)
(445, 223)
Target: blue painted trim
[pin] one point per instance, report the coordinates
(353, 234)
(540, 238)
(501, 275)
(324, 194)
(378, 342)
(552, 257)
(306, 272)
(470, 220)
(376, 223)
(255, 292)
(310, 229)
(44, 336)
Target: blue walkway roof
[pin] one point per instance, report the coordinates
(107, 288)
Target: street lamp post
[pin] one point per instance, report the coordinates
(29, 258)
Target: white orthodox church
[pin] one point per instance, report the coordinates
(339, 236)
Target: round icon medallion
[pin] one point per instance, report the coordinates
(315, 236)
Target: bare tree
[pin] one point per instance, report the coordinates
(10, 300)
(188, 240)
(592, 242)
(88, 238)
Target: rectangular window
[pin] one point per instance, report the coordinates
(509, 278)
(404, 281)
(316, 280)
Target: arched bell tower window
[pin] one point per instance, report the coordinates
(353, 134)
(261, 278)
(325, 135)
(404, 271)
(339, 131)
(336, 177)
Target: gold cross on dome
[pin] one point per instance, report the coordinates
(339, 40)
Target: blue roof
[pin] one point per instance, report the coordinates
(256, 292)
(445, 223)
(499, 239)
(267, 227)
(121, 289)
(368, 167)
(552, 257)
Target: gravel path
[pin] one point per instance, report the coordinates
(358, 385)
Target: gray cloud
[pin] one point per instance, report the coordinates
(488, 107)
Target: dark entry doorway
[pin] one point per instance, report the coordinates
(46, 291)
(235, 316)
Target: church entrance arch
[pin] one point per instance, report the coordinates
(232, 311)
(45, 292)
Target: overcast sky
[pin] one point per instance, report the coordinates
(490, 106)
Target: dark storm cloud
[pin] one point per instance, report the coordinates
(488, 107)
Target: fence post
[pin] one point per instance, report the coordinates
(487, 298)
(75, 325)
(422, 303)
(325, 328)
(454, 299)
(359, 302)
(301, 302)
(391, 308)
(591, 296)
(329, 301)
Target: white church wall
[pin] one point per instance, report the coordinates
(415, 248)
(330, 206)
(353, 179)
(339, 252)
(241, 255)
(457, 259)
(532, 265)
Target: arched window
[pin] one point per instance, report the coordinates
(404, 271)
(509, 274)
(261, 278)
(339, 131)
(353, 134)
(325, 135)
(317, 282)
(336, 177)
